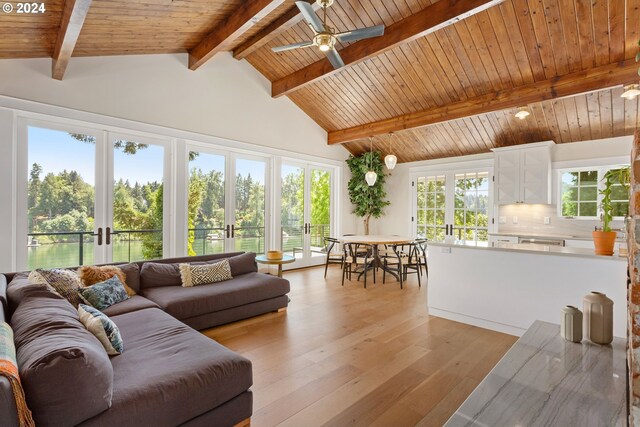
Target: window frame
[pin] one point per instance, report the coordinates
(600, 170)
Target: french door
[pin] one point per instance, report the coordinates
(305, 212)
(452, 205)
(88, 196)
(227, 202)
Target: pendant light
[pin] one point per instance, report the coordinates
(631, 91)
(371, 177)
(390, 159)
(522, 113)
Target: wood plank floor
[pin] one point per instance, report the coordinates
(349, 356)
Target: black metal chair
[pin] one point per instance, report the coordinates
(358, 258)
(334, 254)
(422, 255)
(406, 261)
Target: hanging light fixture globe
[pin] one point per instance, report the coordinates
(390, 159)
(631, 91)
(371, 177)
(522, 113)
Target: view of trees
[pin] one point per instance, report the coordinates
(580, 195)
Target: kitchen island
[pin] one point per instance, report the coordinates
(508, 286)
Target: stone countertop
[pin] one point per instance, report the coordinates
(531, 248)
(544, 380)
(553, 236)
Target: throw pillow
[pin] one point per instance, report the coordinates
(65, 282)
(194, 275)
(105, 294)
(91, 274)
(103, 328)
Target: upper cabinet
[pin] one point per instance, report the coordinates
(523, 174)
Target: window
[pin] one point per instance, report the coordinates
(580, 193)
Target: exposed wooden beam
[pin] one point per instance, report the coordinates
(580, 82)
(287, 20)
(432, 18)
(232, 27)
(75, 11)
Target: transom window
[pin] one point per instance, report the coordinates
(579, 195)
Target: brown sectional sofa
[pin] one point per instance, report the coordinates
(168, 375)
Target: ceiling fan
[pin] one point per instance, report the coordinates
(325, 36)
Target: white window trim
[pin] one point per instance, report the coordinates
(601, 169)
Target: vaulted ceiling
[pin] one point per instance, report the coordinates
(444, 91)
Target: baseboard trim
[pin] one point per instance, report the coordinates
(481, 323)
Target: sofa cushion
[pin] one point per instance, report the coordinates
(195, 275)
(183, 303)
(94, 274)
(65, 372)
(102, 328)
(155, 274)
(105, 294)
(169, 373)
(21, 287)
(131, 275)
(65, 282)
(134, 303)
(243, 264)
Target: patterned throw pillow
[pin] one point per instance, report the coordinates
(194, 275)
(65, 282)
(91, 274)
(103, 328)
(104, 294)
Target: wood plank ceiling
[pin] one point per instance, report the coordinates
(515, 43)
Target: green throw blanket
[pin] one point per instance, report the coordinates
(9, 370)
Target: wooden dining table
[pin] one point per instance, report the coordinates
(375, 240)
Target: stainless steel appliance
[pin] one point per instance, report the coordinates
(544, 242)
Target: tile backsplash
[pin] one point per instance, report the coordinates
(530, 219)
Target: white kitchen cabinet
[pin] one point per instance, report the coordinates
(523, 174)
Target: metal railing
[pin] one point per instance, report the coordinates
(292, 237)
(249, 238)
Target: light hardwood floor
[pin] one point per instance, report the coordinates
(353, 356)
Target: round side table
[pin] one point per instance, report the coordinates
(286, 259)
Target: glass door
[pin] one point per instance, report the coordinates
(135, 231)
(453, 206)
(248, 229)
(305, 212)
(61, 197)
(207, 225)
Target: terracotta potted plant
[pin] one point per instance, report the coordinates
(605, 239)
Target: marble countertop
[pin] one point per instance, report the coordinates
(531, 248)
(544, 380)
(553, 236)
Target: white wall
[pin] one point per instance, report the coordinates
(225, 98)
(399, 183)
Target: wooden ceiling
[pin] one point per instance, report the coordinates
(470, 63)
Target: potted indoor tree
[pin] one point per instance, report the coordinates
(368, 200)
(605, 239)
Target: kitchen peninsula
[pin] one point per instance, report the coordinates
(508, 286)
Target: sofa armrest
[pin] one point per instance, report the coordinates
(8, 410)
(4, 305)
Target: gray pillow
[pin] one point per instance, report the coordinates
(243, 264)
(132, 274)
(65, 372)
(154, 274)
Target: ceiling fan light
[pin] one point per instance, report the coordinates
(390, 160)
(371, 177)
(522, 113)
(631, 91)
(324, 47)
(324, 41)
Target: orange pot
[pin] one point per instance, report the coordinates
(604, 242)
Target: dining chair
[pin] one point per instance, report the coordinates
(406, 260)
(422, 253)
(334, 254)
(358, 258)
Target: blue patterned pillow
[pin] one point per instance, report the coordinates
(105, 294)
(103, 328)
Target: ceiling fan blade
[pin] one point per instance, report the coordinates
(334, 57)
(291, 46)
(363, 33)
(310, 16)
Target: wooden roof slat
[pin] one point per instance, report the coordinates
(568, 85)
(232, 27)
(73, 17)
(418, 25)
